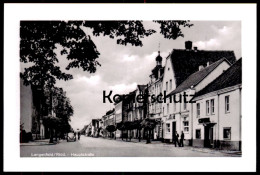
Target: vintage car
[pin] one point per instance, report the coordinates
(71, 137)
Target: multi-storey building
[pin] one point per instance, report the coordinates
(155, 89)
(180, 118)
(140, 108)
(120, 114)
(108, 119)
(179, 65)
(217, 111)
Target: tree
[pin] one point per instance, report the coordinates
(63, 111)
(39, 39)
(111, 128)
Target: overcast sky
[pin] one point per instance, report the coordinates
(123, 67)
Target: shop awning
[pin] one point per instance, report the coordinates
(204, 120)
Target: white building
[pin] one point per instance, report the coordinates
(179, 65)
(217, 111)
(180, 118)
(155, 89)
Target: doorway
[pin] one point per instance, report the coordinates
(208, 141)
(173, 131)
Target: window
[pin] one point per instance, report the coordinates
(207, 107)
(198, 109)
(170, 84)
(227, 133)
(212, 106)
(166, 86)
(227, 103)
(186, 126)
(168, 129)
(184, 106)
(198, 134)
(163, 111)
(168, 108)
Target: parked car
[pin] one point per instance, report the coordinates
(71, 137)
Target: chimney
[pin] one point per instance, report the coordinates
(188, 45)
(201, 67)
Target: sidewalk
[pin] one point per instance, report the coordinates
(197, 149)
(40, 143)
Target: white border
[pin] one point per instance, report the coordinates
(13, 13)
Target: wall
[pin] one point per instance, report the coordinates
(222, 119)
(26, 107)
(118, 112)
(213, 75)
(231, 119)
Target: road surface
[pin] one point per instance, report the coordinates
(101, 147)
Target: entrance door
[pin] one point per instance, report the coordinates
(208, 141)
(173, 130)
(211, 136)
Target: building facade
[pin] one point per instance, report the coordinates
(182, 111)
(179, 65)
(217, 111)
(155, 89)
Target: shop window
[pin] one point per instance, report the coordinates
(198, 134)
(227, 133)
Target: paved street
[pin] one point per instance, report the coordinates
(100, 147)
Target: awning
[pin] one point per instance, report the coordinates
(204, 120)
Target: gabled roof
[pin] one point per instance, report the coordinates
(186, 62)
(141, 87)
(231, 77)
(197, 77)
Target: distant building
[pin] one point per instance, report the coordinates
(155, 88)
(32, 111)
(217, 111)
(108, 119)
(131, 112)
(95, 125)
(120, 114)
(26, 107)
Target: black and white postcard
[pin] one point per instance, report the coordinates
(96, 83)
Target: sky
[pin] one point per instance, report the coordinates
(124, 67)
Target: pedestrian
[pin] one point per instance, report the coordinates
(78, 135)
(176, 138)
(182, 138)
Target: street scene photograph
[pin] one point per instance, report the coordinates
(130, 88)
